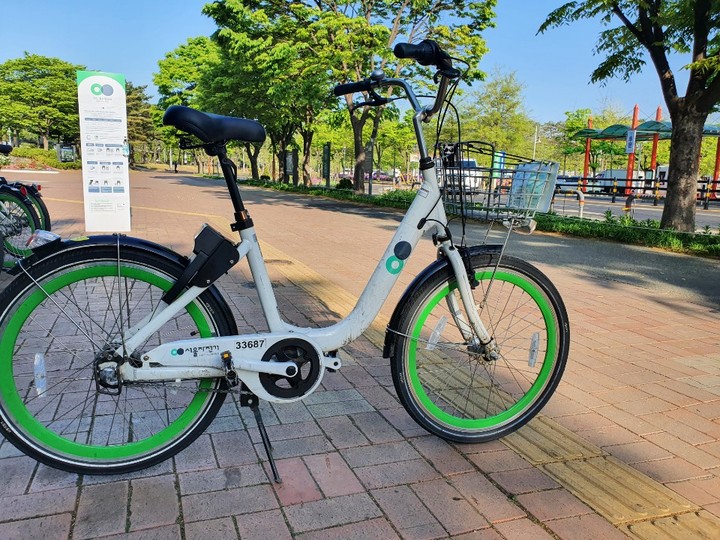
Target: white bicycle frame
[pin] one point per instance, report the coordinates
(201, 358)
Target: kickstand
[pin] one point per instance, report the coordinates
(248, 399)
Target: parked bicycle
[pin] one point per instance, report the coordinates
(116, 352)
(18, 216)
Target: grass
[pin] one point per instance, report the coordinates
(624, 229)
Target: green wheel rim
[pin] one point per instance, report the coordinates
(522, 404)
(33, 429)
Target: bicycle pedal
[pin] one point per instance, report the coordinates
(231, 375)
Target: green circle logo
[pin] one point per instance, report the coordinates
(101, 89)
(394, 265)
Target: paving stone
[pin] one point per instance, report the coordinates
(48, 528)
(376, 428)
(102, 510)
(393, 474)
(522, 529)
(297, 447)
(331, 512)
(153, 503)
(199, 456)
(591, 525)
(443, 456)
(487, 499)
(342, 433)
(524, 481)
(555, 504)
(333, 475)
(38, 504)
(408, 513)
(263, 526)
(17, 472)
(219, 479)
(448, 505)
(379, 453)
(217, 529)
(298, 486)
(166, 532)
(46, 478)
(229, 502)
(234, 448)
(373, 529)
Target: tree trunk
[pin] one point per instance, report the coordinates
(359, 147)
(253, 153)
(679, 210)
(307, 137)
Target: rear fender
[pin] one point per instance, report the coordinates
(123, 243)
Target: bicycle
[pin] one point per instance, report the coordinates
(116, 352)
(18, 221)
(31, 191)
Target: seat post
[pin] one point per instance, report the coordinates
(242, 216)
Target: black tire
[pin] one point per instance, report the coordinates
(446, 385)
(41, 209)
(24, 221)
(52, 328)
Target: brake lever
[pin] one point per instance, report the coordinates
(376, 101)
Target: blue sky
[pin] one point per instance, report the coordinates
(130, 37)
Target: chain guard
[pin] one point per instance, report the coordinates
(303, 354)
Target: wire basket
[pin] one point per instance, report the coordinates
(480, 182)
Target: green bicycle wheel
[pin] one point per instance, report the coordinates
(441, 376)
(56, 325)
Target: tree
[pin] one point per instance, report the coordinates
(141, 129)
(348, 39)
(40, 95)
(656, 28)
(497, 115)
(273, 62)
(177, 82)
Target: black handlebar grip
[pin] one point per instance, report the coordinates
(424, 52)
(352, 87)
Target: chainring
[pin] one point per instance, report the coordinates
(308, 364)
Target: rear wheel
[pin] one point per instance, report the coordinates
(53, 329)
(443, 378)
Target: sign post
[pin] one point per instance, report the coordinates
(105, 151)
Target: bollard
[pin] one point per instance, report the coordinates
(614, 191)
(656, 191)
(629, 205)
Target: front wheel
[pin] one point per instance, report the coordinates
(441, 375)
(56, 322)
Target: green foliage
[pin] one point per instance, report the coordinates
(40, 159)
(39, 94)
(654, 30)
(629, 231)
(140, 126)
(495, 114)
(181, 70)
(344, 183)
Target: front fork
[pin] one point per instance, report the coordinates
(473, 330)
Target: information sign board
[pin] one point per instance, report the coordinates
(105, 151)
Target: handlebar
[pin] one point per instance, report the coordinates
(350, 88)
(426, 53)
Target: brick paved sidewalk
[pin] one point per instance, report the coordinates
(628, 446)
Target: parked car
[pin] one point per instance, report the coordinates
(382, 176)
